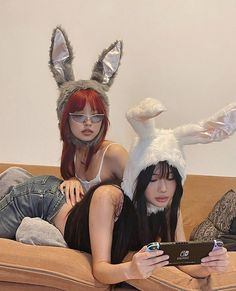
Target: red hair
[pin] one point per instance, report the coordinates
(77, 102)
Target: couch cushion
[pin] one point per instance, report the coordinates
(200, 195)
(169, 279)
(49, 267)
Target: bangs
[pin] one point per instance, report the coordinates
(164, 169)
(77, 102)
(78, 99)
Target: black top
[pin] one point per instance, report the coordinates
(125, 232)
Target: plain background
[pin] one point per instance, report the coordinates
(182, 52)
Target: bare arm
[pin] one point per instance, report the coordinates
(216, 261)
(101, 223)
(118, 157)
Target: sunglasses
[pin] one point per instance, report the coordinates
(81, 118)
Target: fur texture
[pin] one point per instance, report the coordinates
(60, 63)
(61, 68)
(153, 145)
(98, 73)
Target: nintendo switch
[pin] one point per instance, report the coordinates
(185, 253)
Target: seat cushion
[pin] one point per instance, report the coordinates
(48, 267)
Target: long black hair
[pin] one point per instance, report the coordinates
(125, 231)
(162, 224)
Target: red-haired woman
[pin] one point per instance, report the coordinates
(87, 157)
(82, 108)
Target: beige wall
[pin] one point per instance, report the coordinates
(182, 52)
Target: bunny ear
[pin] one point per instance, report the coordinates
(141, 116)
(216, 128)
(61, 57)
(106, 67)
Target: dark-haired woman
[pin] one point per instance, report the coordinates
(156, 170)
(157, 198)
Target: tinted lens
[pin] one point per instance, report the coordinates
(81, 118)
(78, 117)
(96, 118)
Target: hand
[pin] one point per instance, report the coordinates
(143, 263)
(73, 190)
(217, 260)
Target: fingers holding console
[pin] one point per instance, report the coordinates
(217, 260)
(144, 262)
(150, 257)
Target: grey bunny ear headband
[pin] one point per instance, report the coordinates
(60, 63)
(153, 144)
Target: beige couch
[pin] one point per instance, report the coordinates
(27, 267)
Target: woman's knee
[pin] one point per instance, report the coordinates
(12, 177)
(16, 174)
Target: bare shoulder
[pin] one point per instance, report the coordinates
(116, 151)
(108, 193)
(116, 158)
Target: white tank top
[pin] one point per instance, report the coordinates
(88, 184)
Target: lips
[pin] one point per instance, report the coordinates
(87, 132)
(161, 199)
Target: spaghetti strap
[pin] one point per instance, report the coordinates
(97, 179)
(103, 155)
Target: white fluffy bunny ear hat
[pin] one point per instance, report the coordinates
(60, 63)
(153, 145)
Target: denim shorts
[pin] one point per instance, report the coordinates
(37, 197)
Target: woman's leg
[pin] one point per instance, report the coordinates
(37, 197)
(12, 177)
